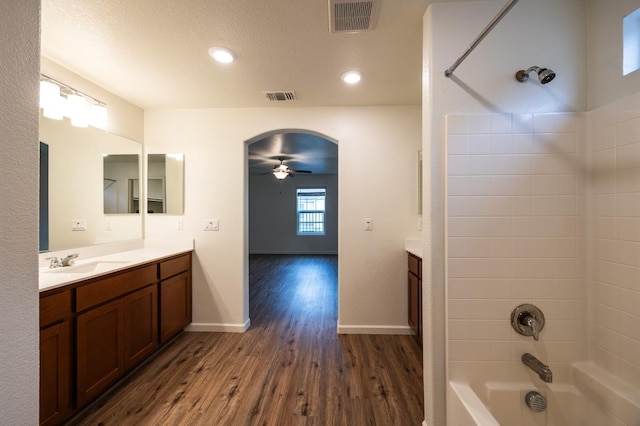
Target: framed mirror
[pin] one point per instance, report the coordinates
(165, 183)
(75, 185)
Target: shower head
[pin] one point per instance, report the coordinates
(545, 75)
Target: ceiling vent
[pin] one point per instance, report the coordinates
(352, 16)
(281, 96)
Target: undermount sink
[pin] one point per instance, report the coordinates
(85, 268)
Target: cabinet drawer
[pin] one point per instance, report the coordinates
(55, 308)
(109, 288)
(172, 267)
(415, 265)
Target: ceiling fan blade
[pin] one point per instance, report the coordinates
(299, 171)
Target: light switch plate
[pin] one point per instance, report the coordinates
(368, 224)
(78, 224)
(211, 225)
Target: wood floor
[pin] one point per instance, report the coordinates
(289, 368)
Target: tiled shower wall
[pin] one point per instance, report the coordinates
(615, 230)
(516, 205)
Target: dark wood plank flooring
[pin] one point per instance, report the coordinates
(290, 368)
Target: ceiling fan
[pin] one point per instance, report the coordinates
(281, 171)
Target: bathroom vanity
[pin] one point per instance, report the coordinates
(101, 318)
(414, 297)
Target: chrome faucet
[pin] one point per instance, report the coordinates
(69, 259)
(55, 262)
(542, 370)
(528, 320)
(531, 322)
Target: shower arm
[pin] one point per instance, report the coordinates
(449, 72)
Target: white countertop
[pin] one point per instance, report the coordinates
(414, 247)
(91, 267)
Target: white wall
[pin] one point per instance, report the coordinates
(545, 33)
(614, 208)
(606, 82)
(125, 119)
(614, 281)
(515, 234)
(372, 265)
(272, 215)
(19, 50)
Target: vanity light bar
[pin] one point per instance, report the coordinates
(59, 100)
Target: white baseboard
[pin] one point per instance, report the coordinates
(401, 330)
(219, 328)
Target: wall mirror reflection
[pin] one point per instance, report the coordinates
(121, 183)
(75, 186)
(165, 183)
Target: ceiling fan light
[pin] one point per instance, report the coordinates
(280, 174)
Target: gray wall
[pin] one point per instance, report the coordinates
(272, 215)
(19, 67)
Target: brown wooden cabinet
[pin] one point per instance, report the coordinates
(114, 322)
(140, 325)
(414, 285)
(55, 358)
(100, 349)
(175, 296)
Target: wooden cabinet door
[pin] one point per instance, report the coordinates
(413, 302)
(175, 305)
(100, 349)
(420, 313)
(55, 378)
(140, 325)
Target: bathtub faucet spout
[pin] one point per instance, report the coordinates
(542, 370)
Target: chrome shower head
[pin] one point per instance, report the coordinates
(545, 75)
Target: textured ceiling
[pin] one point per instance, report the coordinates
(154, 53)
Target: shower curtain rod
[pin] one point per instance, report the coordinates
(449, 72)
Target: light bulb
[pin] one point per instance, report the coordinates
(78, 110)
(98, 116)
(352, 77)
(222, 55)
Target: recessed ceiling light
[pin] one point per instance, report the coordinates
(222, 54)
(352, 77)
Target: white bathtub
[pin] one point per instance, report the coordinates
(595, 398)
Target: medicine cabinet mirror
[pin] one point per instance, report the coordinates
(165, 183)
(121, 183)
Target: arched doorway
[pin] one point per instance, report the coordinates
(296, 213)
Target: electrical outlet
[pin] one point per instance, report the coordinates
(368, 225)
(108, 226)
(180, 224)
(211, 225)
(78, 224)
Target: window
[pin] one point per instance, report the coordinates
(631, 42)
(311, 211)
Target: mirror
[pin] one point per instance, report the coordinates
(75, 186)
(121, 184)
(165, 183)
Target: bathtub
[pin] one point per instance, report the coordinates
(594, 398)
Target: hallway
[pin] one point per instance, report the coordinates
(289, 368)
